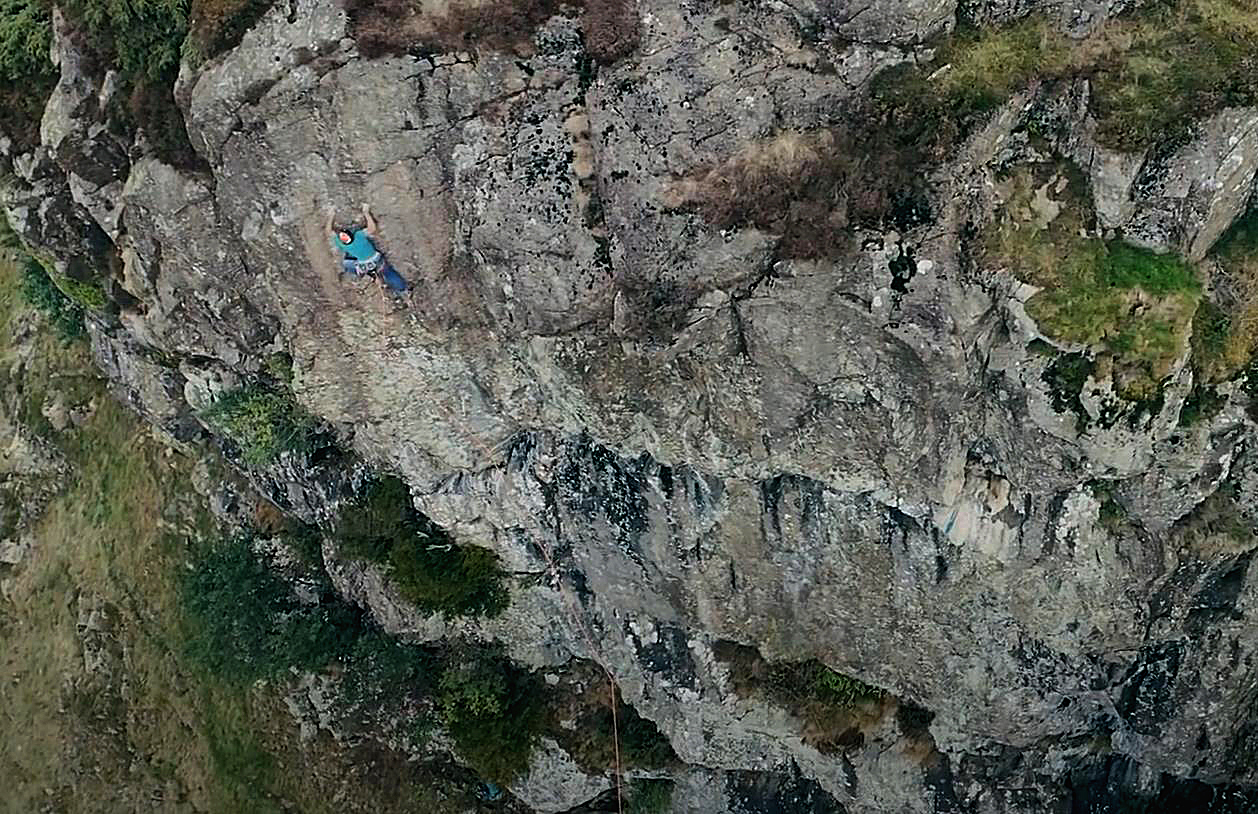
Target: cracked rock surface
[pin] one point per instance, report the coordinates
(695, 440)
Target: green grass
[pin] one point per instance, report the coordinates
(427, 567)
(1224, 338)
(1133, 308)
(1154, 72)
(263, 423)
(1185, 61)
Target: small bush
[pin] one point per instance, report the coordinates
(262, 423)
(243, 622)
(611, 29)
(591, 741)
(650, 797)
(428, 568)
(25, 39)
(826, 701)
(38, 289)
(494, 712)
(395, 27)
(217, 26)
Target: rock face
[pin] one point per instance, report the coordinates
(695, 441)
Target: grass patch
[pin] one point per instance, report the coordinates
(1225, 331)
(70, 742)
(262, 423)
(427, 567)
(1174, 63)
(1154, 72)
(1134, 307)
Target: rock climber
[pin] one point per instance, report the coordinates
(359, 256)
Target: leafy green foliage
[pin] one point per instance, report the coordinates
(262, 423)
(650, 797)
(428, 568)
(39, 290)
(144, 37)
(494, 711)
(25, 37)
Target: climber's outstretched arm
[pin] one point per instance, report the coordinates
(371, 222)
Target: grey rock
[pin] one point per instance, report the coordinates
(677, 441)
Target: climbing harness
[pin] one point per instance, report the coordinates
(370, 266)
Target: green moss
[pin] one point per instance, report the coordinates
(494, 711)
(262, 423)
(90, 295)
(427, 567)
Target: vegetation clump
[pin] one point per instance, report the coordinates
(63, 313)
(1225, 328)
(1132, 306)
(588, 736)
(650, 797)
(827, 701)
(263, 423)
(427, 567)
(245, 622)
(493, 710)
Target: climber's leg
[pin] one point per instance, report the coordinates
(393, 279)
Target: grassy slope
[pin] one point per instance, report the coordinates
(173, 739)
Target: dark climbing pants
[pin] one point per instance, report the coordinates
(386, 272)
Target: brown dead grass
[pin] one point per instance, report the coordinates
(805, 186)
(393, 27)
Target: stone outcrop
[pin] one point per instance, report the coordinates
(688, 440)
